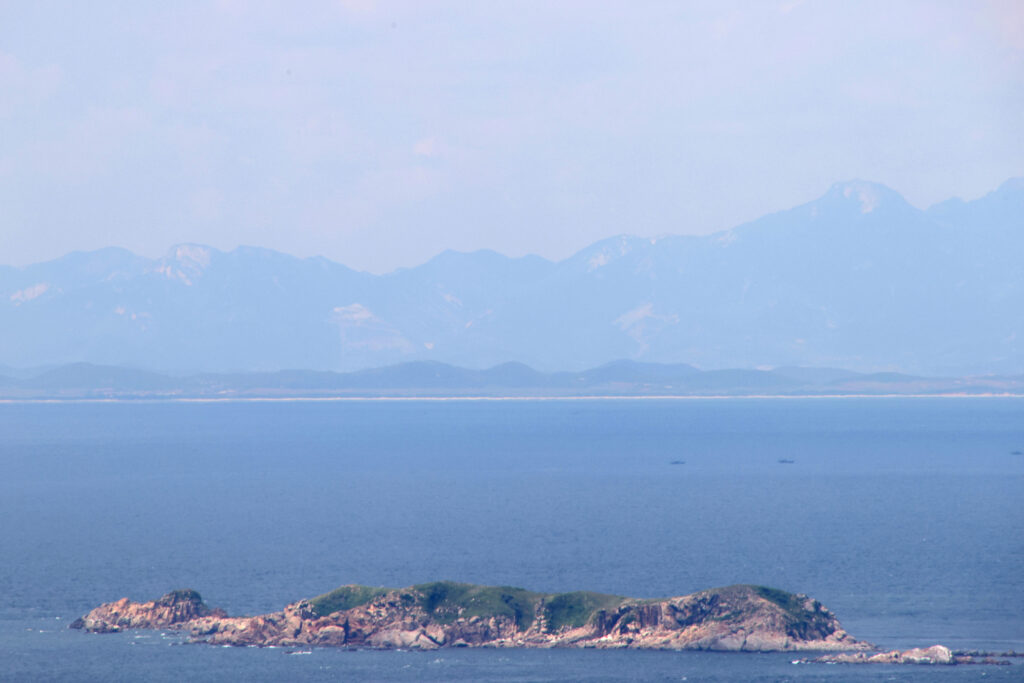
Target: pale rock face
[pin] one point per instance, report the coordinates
(359, 328)
(29, 293)
(186, 263)
(171, 611)
(192, 255)
(936, 654)
(867, 196)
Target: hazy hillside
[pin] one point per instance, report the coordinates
(431, 378)
(856, 279)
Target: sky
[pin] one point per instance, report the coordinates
(378, 134)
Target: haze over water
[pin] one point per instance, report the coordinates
(901, 515)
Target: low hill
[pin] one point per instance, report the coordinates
(429, 378)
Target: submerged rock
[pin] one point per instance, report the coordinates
(448, 614)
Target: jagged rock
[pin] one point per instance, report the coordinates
(936, 654)
(446, 614)
(171, 611)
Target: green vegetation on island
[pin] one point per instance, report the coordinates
(446, 601)
(345, 597)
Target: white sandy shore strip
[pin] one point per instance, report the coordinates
(329, 399)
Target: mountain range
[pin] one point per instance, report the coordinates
(431, 378)
(857, 279)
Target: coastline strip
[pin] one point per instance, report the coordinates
(479, 398)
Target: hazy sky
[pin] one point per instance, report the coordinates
(380, 133)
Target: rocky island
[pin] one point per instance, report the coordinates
(448, 614)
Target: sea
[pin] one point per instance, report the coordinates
(905, 516)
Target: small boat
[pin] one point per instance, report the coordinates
(1016, 452)
(678, 462)
(786, 461)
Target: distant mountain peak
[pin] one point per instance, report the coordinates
(1013, 185)
(455, 256)
(186, 262)
(867, 196)
(197, 254)
(999, 209)
(608, 250)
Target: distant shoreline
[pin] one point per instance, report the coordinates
(332, 399)
(616, 380)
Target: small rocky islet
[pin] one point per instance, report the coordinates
(741, 618)
(449, 614)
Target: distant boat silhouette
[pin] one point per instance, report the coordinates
(678, 462)
(785, 461)
(1016, 453)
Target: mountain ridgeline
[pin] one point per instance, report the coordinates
(857, 279)
(431, 378)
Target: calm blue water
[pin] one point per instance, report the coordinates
(904, 516)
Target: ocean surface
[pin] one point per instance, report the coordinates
(904, 516)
